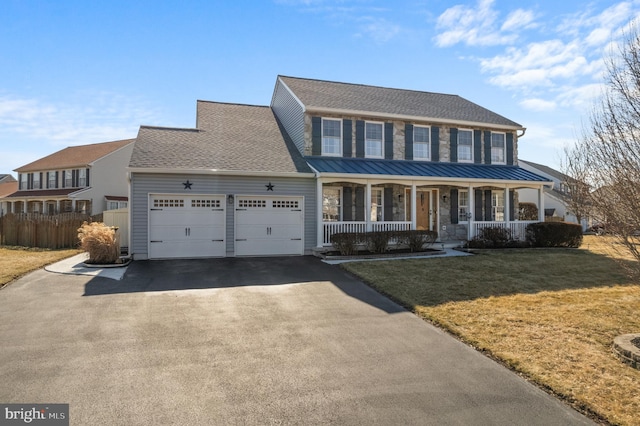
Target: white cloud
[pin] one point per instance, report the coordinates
(378, 29)
(477, 26)
(538, 105)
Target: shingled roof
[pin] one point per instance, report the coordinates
(328, 95)
(229, 137)
(74, 156)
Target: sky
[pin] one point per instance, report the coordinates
(80, 72)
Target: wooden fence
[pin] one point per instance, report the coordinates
(38, 230)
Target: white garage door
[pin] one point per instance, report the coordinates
(186, 226)
(268, 226)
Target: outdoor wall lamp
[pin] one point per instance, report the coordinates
(444, 198)
(230, 199)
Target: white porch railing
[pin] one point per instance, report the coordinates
(330, 228)
(518, 228)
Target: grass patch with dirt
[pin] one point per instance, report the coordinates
(18, 261)
(550, 314)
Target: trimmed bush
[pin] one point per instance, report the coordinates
(554, 234)
(493, 237)
(377, 242)
(346, 243)
(99, 240)
(415, 240)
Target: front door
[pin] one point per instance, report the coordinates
(426, 208)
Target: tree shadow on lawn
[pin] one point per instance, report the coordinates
(432, 282)
(198, 274)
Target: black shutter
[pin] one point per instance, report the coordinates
(487, 205)
(509, 152)
(346, 138)
(316, 136)
(359, 138)
(74, 178)
(477, 201)
(453, 142)
(388, 204)
(57, 178)
(408, 141)
(30, 181)
(477, 147)
(87, 183)
(64, 176)
(20, 181)
(388, 141)
(347, 203)
(512, 207)
(435, 143)
(41, 176)
(454, 206)
(487, 147)
(359, 203)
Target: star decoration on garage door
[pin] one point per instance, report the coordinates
(187, 184)
(269, 186)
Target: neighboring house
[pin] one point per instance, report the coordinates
(8, 185)
(324, 157)
(86, 178)
(555, 198)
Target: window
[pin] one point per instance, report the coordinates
(51, 179)
(421, 143)
(113, 205)
(331, 204)
(463, 206)
(497, 148)
(497, 206)
(373, 140)
(465, 146)
(331, 137)
(82, 177)
(36, 180)
(68, 178)
(24, 179)
(376, 205)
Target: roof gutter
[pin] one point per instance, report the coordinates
(220, 172)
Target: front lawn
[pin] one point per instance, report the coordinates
(550, 314)
(18, 261)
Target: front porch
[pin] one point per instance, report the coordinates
(456, 212)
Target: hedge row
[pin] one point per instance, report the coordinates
(378, 242)
(541, 234)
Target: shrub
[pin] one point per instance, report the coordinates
(377, 242)
(99, 240)
(494, 237)
(346, 243)
(527, 211)
(415, 240)
(554, 234)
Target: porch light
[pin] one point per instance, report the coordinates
(230, 199)
(444, 198)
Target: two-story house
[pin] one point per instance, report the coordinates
(324, 157)
(86, 179)
(8, 185)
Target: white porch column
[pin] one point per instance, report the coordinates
(367, 206)
(507, 206)
(414, 208)
(25, 203)
(320, 226)
(73, 205)
(471, 207)
(57, 207)
(44, 206)
(541, 203)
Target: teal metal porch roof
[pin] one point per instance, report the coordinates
(406, 168)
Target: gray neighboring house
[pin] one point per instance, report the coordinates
(324, 157)
(555, 197)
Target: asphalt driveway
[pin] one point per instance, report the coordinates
(246, 341)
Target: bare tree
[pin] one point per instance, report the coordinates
(606, 158)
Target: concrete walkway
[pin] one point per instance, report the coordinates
(246, 341)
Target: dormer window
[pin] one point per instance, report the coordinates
(421, 143)
(331, 137)
(465, 146)
(373, 140)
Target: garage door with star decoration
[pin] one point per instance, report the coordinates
(186, 226)
(268, 226)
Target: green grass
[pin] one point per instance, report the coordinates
(18, 261)
(549, 314)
